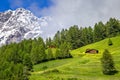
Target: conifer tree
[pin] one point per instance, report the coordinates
(108, 63)
(57, 54)
(49, 54)
(64, 50)
(27, 61)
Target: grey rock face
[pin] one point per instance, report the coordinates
(18, 25)
(5, 16)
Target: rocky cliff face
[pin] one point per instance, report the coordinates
(18, 25)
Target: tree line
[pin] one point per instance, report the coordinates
(80, 36)
(17, 59)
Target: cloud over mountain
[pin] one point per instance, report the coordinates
(71, 12)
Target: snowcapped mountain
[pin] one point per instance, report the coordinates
(18, 25)
(21, 24)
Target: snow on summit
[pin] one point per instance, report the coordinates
(18, 25)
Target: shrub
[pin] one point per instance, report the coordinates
(44, 67)
(110, 42)
(72, 79)
(55, 70)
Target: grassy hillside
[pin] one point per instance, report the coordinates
(82, 66)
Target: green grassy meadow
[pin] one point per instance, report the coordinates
(82, 66)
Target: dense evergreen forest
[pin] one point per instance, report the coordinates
(80, 36)
(17, 59)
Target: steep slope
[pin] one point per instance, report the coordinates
(82, 66)
(18, 25)
(23, 24)
(101, 45)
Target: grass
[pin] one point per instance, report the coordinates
(82, 66)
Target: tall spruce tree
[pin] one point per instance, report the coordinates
(27, 61)
(57, 39)
(108, 63)
(58, 54)
(99, 32)
(64, 50)
(50, 54)
(113, 27)
(73, 36)
(38, 51)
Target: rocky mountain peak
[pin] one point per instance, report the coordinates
(18, 25)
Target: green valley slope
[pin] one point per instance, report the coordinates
(82, 66)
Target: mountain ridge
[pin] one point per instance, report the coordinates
(18, 25)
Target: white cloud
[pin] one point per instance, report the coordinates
(75, 12)
(83, 12)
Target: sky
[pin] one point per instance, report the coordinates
(33, 5)
(68, 12)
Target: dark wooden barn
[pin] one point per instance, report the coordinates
(92, 51)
